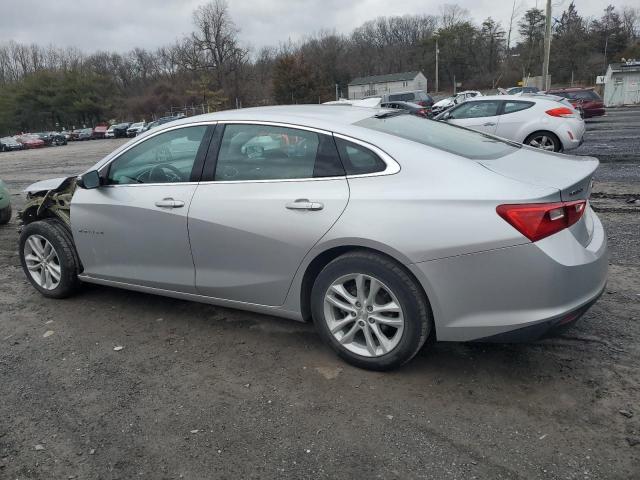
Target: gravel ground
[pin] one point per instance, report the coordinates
(204, 392)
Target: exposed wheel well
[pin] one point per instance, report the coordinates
(323, 259)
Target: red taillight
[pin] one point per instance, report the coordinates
(561, 112)
(539, 220)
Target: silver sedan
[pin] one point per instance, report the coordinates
(380, 227)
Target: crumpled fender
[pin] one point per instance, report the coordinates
(46, 185)
(49, 198)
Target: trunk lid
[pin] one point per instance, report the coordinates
(570, 174)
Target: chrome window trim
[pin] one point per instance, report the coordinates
(392, 167)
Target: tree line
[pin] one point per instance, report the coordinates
(49, 87)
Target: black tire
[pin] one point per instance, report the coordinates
(5, 215)
(414, 303)
(557, 144)
(60, 237)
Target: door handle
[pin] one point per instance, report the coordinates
(169, 203)
(489, 124)
(304, 204)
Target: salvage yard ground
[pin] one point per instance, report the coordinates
(204, 392)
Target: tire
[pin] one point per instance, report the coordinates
(5, 215)
(58, 236)
(405, 342)
(544, 140)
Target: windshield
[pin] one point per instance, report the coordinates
(450, 138)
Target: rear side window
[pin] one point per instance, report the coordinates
(511, 107)
(266, 152)
(359, 160)
(449, 138)
(486, 108)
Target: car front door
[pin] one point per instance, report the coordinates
(272, 193)
(480, 115)
(133, 228)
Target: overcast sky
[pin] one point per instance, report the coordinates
(123, 24)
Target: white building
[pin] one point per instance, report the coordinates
(622, 84)
(381, 84)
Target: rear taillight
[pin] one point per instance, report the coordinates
(539, 220)
(561, 112)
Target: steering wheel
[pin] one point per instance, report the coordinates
(161, 173)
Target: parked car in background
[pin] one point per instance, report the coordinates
(9, 143)
(120, 129)
(45, 137)
(518, 90)
(5, 204)
(539, 122)
(75, 133)
(412, 108)
(586, 99)
(30, 141)
(160, 121)
(58, 138)
(418, 97)
(67, 134)
(110, 133)
(447, 103)
(135, 129)
(417, 229)
(99, 131)
(85, 134)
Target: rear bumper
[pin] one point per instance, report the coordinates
(534, 285)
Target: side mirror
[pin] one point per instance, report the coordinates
(89, 180)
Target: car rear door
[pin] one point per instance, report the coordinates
(269, 193)
(480, 115)
(133, 229)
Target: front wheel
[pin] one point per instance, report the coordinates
(49, 258)
(370, 311)
(544, 141)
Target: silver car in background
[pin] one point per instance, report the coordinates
(541, 121)
(380, 227)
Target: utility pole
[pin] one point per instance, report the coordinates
(337, 93)
(437, 52)
(547, 48)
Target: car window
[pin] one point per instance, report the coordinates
(487, 108)
(359, 160)
(511, 107)
(266, 152)
(449, 138)
(585, 95)
(164, 158)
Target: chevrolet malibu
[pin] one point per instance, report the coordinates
(381, 228)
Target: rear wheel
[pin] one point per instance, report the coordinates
(370, 311)
(544, 141)
(49, 259)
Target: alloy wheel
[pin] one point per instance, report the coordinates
(42, 262)
(363, 315)
(543, 142)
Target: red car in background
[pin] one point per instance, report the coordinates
(584, 99)
(100, 131)
(30, 141)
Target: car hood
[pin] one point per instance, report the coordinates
(443, 103)
(46, 185)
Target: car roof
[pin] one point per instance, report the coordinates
(570, 89)
(326, 117)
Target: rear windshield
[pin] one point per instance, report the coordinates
(450, 138)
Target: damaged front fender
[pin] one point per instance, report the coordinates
(49, 199)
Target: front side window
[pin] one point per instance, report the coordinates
(511, 107)
(164, 158)
(488, 108)
(269, 152)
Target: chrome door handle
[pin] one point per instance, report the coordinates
(169, 203)
(488, 124)
(304, 204)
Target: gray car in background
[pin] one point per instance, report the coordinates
(380, 227)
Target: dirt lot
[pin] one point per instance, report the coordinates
(204, 392)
